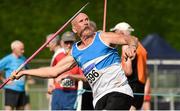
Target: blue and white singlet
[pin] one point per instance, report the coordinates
(101, 66)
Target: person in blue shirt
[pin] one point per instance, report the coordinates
(14, 90)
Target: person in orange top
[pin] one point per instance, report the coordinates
(135, 68)
(147, 97)
(64, 87)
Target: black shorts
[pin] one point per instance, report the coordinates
(137, 87)
(87, 98)
(14, 98)
(114, 101)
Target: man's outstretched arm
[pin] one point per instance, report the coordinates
(49, 72)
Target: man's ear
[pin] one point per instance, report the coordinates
(61, 43)
(74, 30)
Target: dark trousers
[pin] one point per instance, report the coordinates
(114, 101)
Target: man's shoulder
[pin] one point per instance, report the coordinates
(141, 48)
(60, 55)
(9, 56)
(23, 57)
(6, 60)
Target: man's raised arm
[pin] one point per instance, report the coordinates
(119, 39)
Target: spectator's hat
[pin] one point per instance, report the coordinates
(122, 26)
(68, 36)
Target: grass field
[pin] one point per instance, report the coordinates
(38, 98)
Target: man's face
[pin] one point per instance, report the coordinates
(80, 23)
(51, 45)
(19, 50)
(67, 44)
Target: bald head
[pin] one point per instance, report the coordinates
(17, 48)
(79, 16)
(16, 44)
(80, 22)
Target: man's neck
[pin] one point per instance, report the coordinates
(86, 41)
(15, 55)
(56, 48)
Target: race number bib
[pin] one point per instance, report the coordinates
(93, 76)
(67, 83)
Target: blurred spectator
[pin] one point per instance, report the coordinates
(15, 90)
(147, 98)
(58, 53)
(135, 68)
(93, 25)
(64, 89)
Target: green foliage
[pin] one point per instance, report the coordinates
(31, 20)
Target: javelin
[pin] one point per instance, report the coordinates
(44, 45)
(104, 17)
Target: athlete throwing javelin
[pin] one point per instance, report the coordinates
(100, 62)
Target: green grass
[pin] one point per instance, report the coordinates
(38, 100)
(1, 104)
